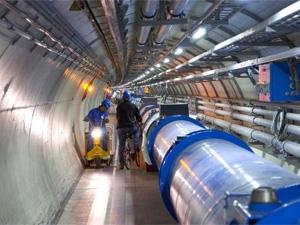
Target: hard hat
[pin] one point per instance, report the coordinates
(126, 95)
(106, 103)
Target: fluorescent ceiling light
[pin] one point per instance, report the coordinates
(189, 76)
(142, 76)
(152, 68)
(157, 65)
(230, 75)
(200, 32)
(178, 51)
(166, 60)
(177, 79)
(179, 66)
(147, 72)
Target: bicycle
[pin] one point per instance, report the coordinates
(129, 153)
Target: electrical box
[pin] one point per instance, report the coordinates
(173, 109)
(279, 82)
(149, 100)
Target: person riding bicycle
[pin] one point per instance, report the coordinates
(128, 117)
(97, 117)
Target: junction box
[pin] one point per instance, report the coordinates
(279, 82)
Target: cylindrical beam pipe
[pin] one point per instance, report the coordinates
(166, 134)
(209, 168)
(151, 116)
(203, 171)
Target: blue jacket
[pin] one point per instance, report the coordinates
(97, 118)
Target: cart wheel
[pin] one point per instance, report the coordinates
(98, 162)
(87, 163)
(110, 159)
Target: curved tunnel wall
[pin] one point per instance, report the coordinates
(39, 109)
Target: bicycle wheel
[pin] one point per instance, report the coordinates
(127, 160)
(137, 159)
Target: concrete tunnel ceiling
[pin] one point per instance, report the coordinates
(51, 50)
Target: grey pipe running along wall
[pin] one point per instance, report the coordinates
(290, 147)
(290, 128)
(41, 132)
(255, 110)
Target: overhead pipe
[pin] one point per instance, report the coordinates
(212, 177)
(254, 110)
(89, 61)
(47, 9)
(176, 8)
(290, 147)
(148, 11)
(254, 120)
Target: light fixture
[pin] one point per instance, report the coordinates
(177, 79)
(178, 51)
(166, 60)
(179, 66)
(28, 20)
(152, 68)
(189, 77)
(96, 133)
(147, 72)
(230, 75)
(142, 76)
(200, 32)
(157, 65)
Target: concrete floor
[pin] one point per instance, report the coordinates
(111, 196)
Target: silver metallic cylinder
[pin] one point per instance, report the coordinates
(206, 170)
(200, 170)
(149, 122)
(168, 135)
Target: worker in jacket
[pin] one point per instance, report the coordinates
(98, 117)
(129, 118)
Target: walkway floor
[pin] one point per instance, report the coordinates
(109, 196)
